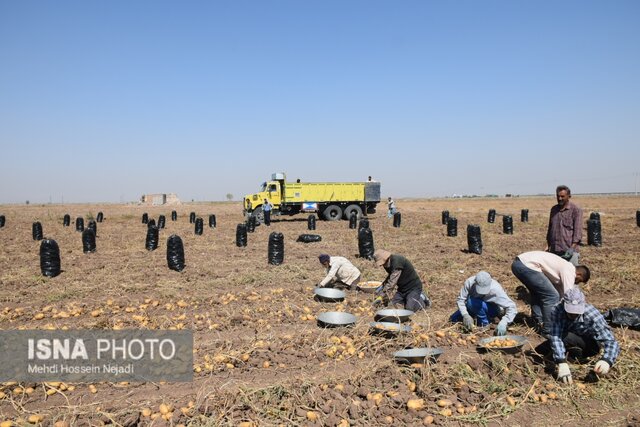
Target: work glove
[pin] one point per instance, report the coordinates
(378, 301)
(564, 373)
(467, 321)
(602, 367)
(568, 253)
(501, 329)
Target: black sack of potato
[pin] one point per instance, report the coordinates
(276, 248)
(366, 247)
(624, 316)
(309, 238)
(474, 239)
(49, 258)
(175, 253)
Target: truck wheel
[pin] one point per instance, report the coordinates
(259, 215)
(332, 213)
(350, 209)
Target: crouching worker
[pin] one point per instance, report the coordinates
(483, 298)
(579, 331)
(402, 277)
(341, 274)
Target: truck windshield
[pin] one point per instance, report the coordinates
(263, 187)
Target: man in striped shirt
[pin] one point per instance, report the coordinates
(579, 330)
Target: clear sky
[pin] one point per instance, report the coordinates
(107, 100)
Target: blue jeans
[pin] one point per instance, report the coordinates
(482, 311)
(544, 295)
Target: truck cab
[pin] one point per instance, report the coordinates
(270, 190)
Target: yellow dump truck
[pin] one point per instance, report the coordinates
(331, 200)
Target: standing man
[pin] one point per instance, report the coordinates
(391, 204)
(565, 227)
(579, 331)
(484, 298)
(547, 277)
(266, 209)
(402, 277)
(341, 274)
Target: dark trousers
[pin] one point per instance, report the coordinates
(577, 346)
(413, 301)
(544, 295)
(267, 217)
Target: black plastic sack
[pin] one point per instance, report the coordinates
(491, 216)
(241, 235)
(145, 218)
(88, 241)
(93, 226)
(366, 247)
(66, 221)
(174, 216)
(192, 218)
(524, 215)
(353, 220)
(474, 239)
(49, 258)
(2, 220)
(199, 226)
(637, 219)
(36, 230)
(364, 223)
(276, 248)
(311, 222)
(594, 232)
(153, 235)
(99, 217)
(79, 224)
(161, 221)
(445, 217)
(452, 227)
(251, 224)
(507, 224)
(175, 253)
(397, 219)
(629, 317)
(309, 238)
(212, 221)
(151, 223)
(595, 216)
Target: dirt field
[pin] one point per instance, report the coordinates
(260, 357)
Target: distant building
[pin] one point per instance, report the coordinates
(159, 199)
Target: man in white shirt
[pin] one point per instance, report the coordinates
(341, 273)
(547, 277)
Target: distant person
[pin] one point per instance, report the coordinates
(391, 206)
(579, 331)
(483, 298)
(266, 209)
(341, 274)
(298, 181)
(564, 232)
(371, 179)
(401, 277)
(547, 277)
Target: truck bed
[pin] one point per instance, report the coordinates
(331, 192)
